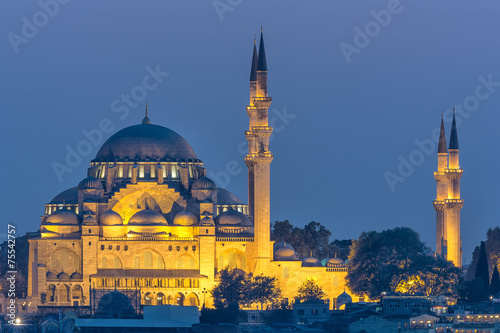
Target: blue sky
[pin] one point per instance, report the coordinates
(346, 119)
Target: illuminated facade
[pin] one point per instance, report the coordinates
(147, 217)
(448, 202)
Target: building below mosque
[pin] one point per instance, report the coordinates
(147, 219)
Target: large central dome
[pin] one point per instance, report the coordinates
(146, 141)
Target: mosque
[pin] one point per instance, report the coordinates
(146, 218)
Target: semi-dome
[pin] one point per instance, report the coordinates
(69, 196)
(227, 198)
(147, 217)
(115, 305)
(146, 141)
(63, 216)
(311, 262)
(90, 183)
(185, 218)
(110, 217)
(51, 276)
(76, 275)
(63, 276)
(207, 221)
(232, 217)
(204, 183)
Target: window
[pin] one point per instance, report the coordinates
(90, 231)
(286, 272)
(243, 261)
(137, 262)
(314, 312)
(175, 173)
(180, 263)
(125, 247)
(159, 263)
(164, 169)
(148, 260)
(120, 171)
(129, 171)
(117, 262)
(152, 171)
(104, 262)
(141, 171)
(231, 258)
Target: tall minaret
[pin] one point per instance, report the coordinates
(448, 202)
(259, 159)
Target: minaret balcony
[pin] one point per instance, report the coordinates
(439, 205)
(251, 111)
(262, 102)
(262, 131)
(454, 203)
(454, 170)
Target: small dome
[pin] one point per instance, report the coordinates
(334, 262)
(70, 196)
(115, 305)
(226, 198)
(110, 217)
(63, 276)
(147, 217)
(204, 183)
(185, 218)
(232, 217)
(344, 298)
(76, 275)
(90, 183)
(311, 262)
(284, 251)
(51, 276)
(63, 216)
(89, 219)
(207, 221)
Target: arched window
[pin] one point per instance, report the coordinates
(243, 261)
(192, 263)
(104, 262)
(76, 260)
(286, 272)
(117, 262)
(65, 259)
(137, 262)
(53, 260)
(231, 258)
(335, 281)
(148, 260)
(180, 263)
(159, 262)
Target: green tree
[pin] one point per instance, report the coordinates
(471, 271)
(340, 248)
(396, 260)
(482, 266)
(281, 231)
(473, 291)
(229, 292)
(308, 291)
(262, 289)
(495, 281)
(313, 240)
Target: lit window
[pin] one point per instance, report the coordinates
(148, 260)
(153, 171)
(174, 172)
(137, 262)
(164, 168)
(141, 171)
(120, 171)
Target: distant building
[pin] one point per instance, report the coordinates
(448, 203)
(311, 311)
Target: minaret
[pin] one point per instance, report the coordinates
(259, 159)
(448, 202)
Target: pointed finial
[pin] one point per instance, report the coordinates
(453, 108)
(260, 26)
(441, 114)
(254, 40)
(146, 120)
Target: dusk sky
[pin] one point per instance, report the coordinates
(357, 87)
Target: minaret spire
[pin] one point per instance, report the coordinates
(453, 135)
(253, 70)
(262, 66)
(442, 139)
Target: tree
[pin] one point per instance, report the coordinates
(396, 260)
(281, 231)
(471, 271)
(495, 281)
(262, 289)
(493, 248)
(473, 291)
(308, 291)
(482, 266)
(229, 292)
(312, 240)
(340, 248)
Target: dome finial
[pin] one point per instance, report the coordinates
(146, 120)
